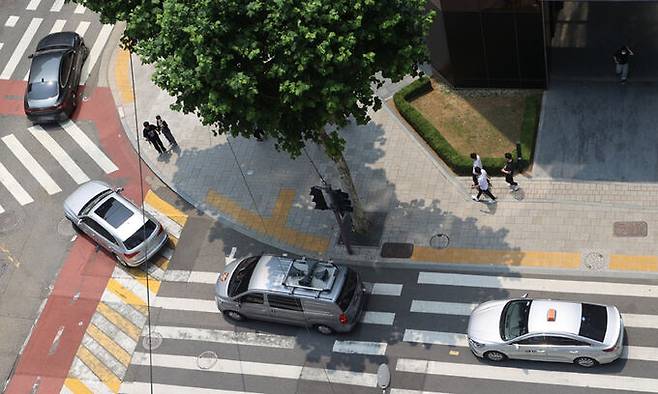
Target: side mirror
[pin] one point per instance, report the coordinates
(120, 189)
(525, 295)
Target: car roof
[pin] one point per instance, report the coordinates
(567, 317)
(129, 226)
(45, 66)
(64, 39)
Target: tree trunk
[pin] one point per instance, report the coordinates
(359, 220)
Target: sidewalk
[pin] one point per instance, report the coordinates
(548, 224)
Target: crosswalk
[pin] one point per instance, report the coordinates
(422, 338)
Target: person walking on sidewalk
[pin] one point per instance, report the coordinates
(483, 185)
(621, 61)
(163, 127)
(150, 133)
(477, 163)
(508, 170)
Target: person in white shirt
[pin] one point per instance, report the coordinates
(477, 163)
(483, 185)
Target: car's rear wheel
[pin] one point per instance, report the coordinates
(233, 315)
(324, 330)
(495, 356)
(585, 362)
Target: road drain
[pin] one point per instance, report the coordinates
(207, 359)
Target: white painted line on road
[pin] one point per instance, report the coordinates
(33, 4)
(528, 376)
(405, 391)
(185, 304)
(360, 347)
(57, 6)
(17, 55)
(244, 338)
(435, 338)
(14, 187)
(80, 9)
(81, 372)
(282, 371)
(640, 321)
(389, 289)
(205, 277)
(114, 332)
(59, 154)
(30, 164)
(127, 311)
(2, 210)
(88, 146)
(171, 227)
(547, 285)
(82, 28)
(134, 286)
(640, 353)
(141, 388)
(95, 52)
(11, 21)
(103, 355)
(381, 318)
(442, 308)
(1, 45)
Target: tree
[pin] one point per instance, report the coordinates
(289, 67)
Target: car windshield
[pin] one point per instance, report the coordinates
(594, 322)
(347, 292)
(92, 202)
(242, 275)
(140, 235)
(514, 319)
(114, 212)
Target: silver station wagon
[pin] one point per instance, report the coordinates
(114, 223)
(546, 330)
(303, 292)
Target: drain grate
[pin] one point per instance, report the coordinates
(594, 261)
(630, 229)
(155, 340)
(207, 359)
(397, 250)
(440, 241)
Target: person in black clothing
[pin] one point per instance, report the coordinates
(621, 61)
(150, 133)
(508, 170)
(163, 127)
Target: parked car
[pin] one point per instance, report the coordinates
(114, 223)
(52, 86)
(546, 330)
(304, 292)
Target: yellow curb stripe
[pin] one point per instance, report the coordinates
(122, 76)
(106, 342)
(497, 257)
(126, 295)
(282, 206)
(165, 208)
(172, 242)
(99, 369)
(115, 317)
(633, 263)
(76, 386)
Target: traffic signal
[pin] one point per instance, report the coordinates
(341, 201)
(318, 198)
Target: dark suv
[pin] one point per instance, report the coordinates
(52, 87)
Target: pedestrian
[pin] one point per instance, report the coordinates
(477, 163)
(483, 185)
(621, 62)
(150, 133)
(259, 133)
(508, 170)
(163, 127)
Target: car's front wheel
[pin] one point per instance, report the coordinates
(495, 356)
(585, 362)
(233, 315)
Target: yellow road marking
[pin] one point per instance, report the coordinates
(9, 256)
(633, 263)
(498, 257)
(76, 386)
(122, 76)
(106, 342)
(165, 208)
(99, 369)
(115, 317)
(125, 294)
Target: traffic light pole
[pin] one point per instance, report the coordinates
(343, 232)
(338, 201)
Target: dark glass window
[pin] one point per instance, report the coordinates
(563, 341)
(140, 235)
(347, 292)
(284, 302)
(594, 322)
(242, 275)
(91, 223)
(114, 212)
(514, 319)
(65, 69)
(536, 340)
(253, 298)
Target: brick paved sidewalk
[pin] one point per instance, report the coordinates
(547, 224)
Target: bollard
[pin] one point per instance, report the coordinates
(519, 157)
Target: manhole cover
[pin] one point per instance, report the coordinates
(594, 261)
(65, 228)
(9, 221)
(207, 359)
(154, 340)
(630, 229)
(439, 241)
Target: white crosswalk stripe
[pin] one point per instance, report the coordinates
(224, 336)
(11, 21)
(17, 55)
(95, 52)
(59, 154)
(30, 164)
(141, 388)
(57, 6)
(79, 9)
(360, 347)
(82, 28)
(33, 4)
(12, 185)
(2, 210)
(89, 147)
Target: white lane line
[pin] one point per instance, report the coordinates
(528, 376)
(80, 9)
(406, 391)
(141, 388)
(1, 45)
(360, 347)
(30, 164)
(244, 338)
(14, 187)
(171, 227)
(95, 52)
(17, 55)
(11, 21)
(88, 146)
(388, 289)
(547, 285)
(282, 371)
(82, 28)
(442, 308)
(57, 6)
(185, 304)
(2, 210)
(59, 154)
(381, 318)
(33, 4)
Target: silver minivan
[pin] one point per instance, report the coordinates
(304, 292)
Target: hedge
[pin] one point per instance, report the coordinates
(459, 163)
